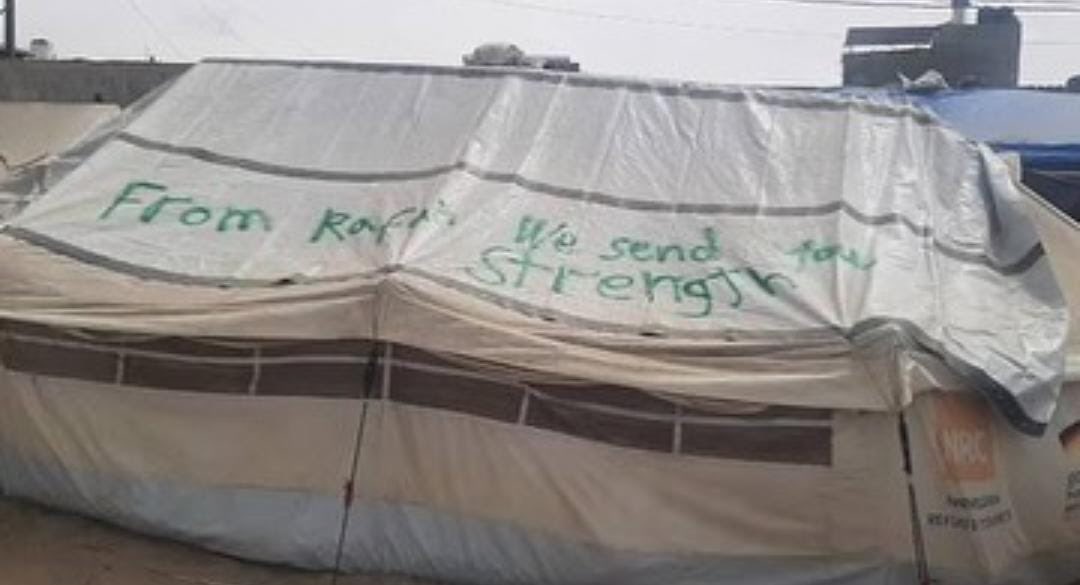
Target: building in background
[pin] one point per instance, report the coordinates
(82, 81)
(984, 53)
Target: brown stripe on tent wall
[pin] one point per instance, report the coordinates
(604, 413)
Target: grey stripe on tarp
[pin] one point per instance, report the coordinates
(824, 333)
(787, 98)
(1026, 261)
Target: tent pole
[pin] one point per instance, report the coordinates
(371, 389)
(922, 569)
(9, 29)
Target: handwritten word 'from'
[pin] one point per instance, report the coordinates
(184, 209)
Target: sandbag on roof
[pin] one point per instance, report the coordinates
(727, 243)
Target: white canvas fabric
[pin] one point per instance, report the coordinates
(706, 216)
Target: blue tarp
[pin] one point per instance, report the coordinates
(1043, 127)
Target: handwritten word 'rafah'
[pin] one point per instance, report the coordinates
(155, 203)
(810, 252)
(338, 225)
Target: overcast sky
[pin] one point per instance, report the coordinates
(725, 41)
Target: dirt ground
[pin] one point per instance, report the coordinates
(42, 547)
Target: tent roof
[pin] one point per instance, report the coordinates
(733, 243)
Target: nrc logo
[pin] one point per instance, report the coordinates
(962, 447)
(964, 438)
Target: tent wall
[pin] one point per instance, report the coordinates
(454, 468)
(463, 470)
(105, 430)
(580, 483)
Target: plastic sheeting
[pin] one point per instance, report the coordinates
(1042, 127)
(1061, 238)
(613, 209)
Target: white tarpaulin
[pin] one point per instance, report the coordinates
(613, 207)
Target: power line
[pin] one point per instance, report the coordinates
(865, 4)
(1052, 43)
(1040, 6)
(534, 6)
(1054, 8)
(633, 19)
(226, 26)
(255, 16)
(149, 22)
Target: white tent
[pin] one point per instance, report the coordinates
(513, 326)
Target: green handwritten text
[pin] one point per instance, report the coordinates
(338, 226)
(810, 252)
(154, 203)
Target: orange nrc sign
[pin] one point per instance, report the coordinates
(964, 437)
(1070, 440)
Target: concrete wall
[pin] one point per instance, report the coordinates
(987, 55)
(115, 82)
(875, 69)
